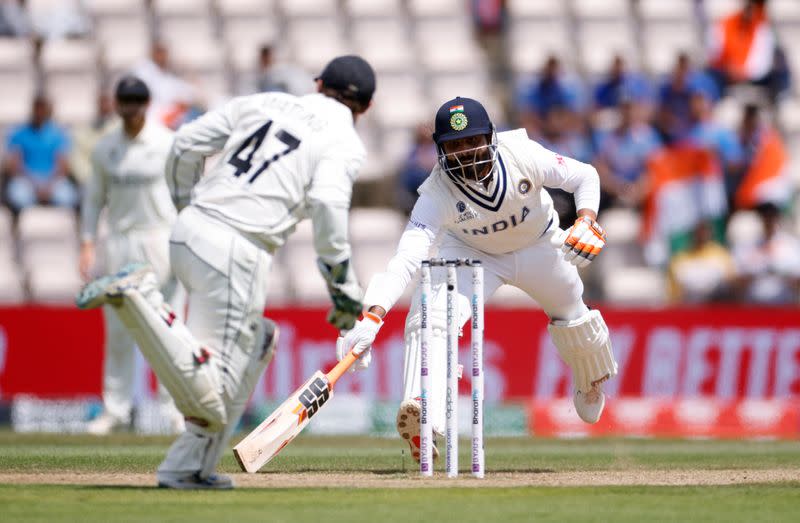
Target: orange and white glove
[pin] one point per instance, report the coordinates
(582, 242)
(359, 339)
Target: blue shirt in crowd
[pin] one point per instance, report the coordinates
(544, 95)
(610, 93)
(39, 148)
(719, 138)
(626, 154)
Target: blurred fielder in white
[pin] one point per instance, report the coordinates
(486, 200)
(128, 179)
(284, 159)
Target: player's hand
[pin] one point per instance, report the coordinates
(345, 294)
(582, 242)
(360, 339)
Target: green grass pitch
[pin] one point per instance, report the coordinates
(78, 478)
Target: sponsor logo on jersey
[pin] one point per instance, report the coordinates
(524, 186)
(417, 224)
(500, 225)
(461, 206)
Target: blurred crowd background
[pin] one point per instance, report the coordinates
(688, 109)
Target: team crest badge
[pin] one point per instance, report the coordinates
(461, 206)
(458, 120)
(524, 186)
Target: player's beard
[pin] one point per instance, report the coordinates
(473, 166)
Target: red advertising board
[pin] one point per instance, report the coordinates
(724, 353)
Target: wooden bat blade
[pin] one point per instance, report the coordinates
(289, 420)
(283, 425)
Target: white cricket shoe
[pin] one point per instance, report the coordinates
(589, 405)
(408, 427)
(105, 424)
(106, 288)
(193, 481)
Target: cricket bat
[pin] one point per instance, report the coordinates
(289, 420)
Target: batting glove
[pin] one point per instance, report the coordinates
(359, 339)
(582, 242)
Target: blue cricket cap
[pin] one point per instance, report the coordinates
(461, 118)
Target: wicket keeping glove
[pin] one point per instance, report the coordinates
(345, 294)
(582, 242)
(359, 339)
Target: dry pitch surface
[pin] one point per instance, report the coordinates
(78, 478)
(688, 477)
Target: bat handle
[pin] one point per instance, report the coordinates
(340, 368)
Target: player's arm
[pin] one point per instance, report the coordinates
(386, 287)
(329, 206)
(93, 201)
(194, 142)
(583, 241)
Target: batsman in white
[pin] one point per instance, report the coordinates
(284, 158)
(128, 180)
(486, 200)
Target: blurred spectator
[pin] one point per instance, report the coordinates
(418, 165)
(36, 162)
(551, 89)
(172, 96)
(85, 137)
(770, 269)
(562, 133)
(622, 156)
(62, 19)
(672, 117)
(14, 19)
(490, 21)
(743, 48)
(685, 188)
(763, 177)
(702, 273)
(620, 83)
(706, 132)
(286, 78)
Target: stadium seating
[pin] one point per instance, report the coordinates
(424, 52)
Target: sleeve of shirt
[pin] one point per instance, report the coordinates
(560, 172)
(194, 142)
(329, 203)
(94, 198)
(420, 233)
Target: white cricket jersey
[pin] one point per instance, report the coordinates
(514, 212)
(128, 178)
(285, 158)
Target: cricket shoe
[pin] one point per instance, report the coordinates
(408, 427)
(589, 405)
(107, 289)
(105, 424)
(193, 481)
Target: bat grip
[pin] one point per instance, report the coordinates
(340, 368)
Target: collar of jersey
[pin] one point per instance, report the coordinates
(492, 201)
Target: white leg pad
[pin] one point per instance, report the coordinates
(584, 345)
(172, 353)
(266, 339)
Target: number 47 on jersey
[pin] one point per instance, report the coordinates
(288, 420)
(242, 159)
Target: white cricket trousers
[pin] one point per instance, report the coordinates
(147, 245)
(539, 269)
(225, 277)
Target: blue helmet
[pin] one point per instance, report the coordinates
(464, 118)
